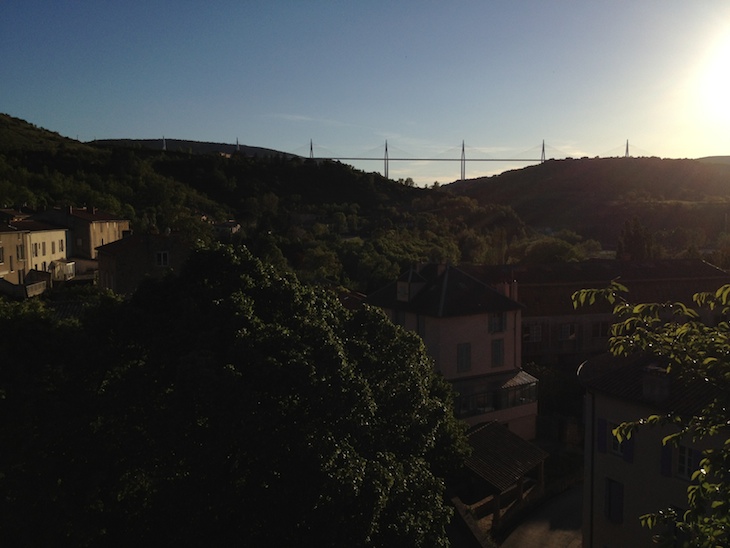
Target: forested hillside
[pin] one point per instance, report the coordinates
(333, 224)
(683, 203)
(325, 220)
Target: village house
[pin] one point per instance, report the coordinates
(125, 263)
(554, 333)
(623, 481)
(46, 248)
(32, 255)
(13, 263)
(88, 228)
(472, 331)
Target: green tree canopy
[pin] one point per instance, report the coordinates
(229, 406)
(635, 242)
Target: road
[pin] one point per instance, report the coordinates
(555, 524)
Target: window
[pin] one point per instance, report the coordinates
(162, 258)
(60, 245)
(497, 322)
(2, 255)
(616, 446)
(685, 466)
(607, 442)
(567, 332)
(680, 461)
(614, 507)
(532, 333)
(34, 249)
(53, 248)
(43, 244)
(497, 352)
(20, 252)
(44, 266)
(463, 357)
(688, 460)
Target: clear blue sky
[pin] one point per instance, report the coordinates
(500, 75)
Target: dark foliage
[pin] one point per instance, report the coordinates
(229, 406)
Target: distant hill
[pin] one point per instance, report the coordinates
(193, 147)
(39, 167)
(715, 159)
(594, 196)
(19, 135)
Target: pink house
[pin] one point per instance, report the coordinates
(472, 329)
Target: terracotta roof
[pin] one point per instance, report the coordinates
(623, 378)
(34, 226)
(545, 290)
(501, 457)
(446, 291)
(94, 215)
(600, 270)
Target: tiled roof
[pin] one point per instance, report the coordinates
(623, 378)
(600, 270)
(501, 457)
(33, 226)
(446, 291)
(492, 382)
(545, 290)
(94, 215)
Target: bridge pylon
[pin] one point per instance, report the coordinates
(385, 160)
(463, 161)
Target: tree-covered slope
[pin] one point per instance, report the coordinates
(594, 197)
(323, 219)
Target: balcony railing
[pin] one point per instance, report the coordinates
(502, 398)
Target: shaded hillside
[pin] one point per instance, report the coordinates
(323, 219)
(192, 147)
(595, 196)
(40, 168)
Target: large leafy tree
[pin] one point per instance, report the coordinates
(635, 242)
(229, 406)
(695, 346)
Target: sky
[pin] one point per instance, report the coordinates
(499, 76)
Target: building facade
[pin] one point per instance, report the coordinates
(88, 228)
(472, 331)
(14, 264)
(45, 244)
(125, 263)
(641, 475)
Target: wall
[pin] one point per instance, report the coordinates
(645, 488)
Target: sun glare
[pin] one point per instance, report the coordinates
(714, 82)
